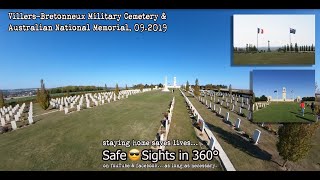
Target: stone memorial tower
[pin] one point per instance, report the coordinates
(284, 94)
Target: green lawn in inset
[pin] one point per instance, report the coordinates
(279, 112)
(273, 58)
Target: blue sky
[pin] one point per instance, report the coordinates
(197, 45)
(276, 29)
(297, 83)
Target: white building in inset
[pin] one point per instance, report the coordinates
(284, 97)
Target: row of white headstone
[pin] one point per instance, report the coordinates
(233, 98)
(259, 105)
(256, 133)
(67, 104)
(163, 137)
(13, 115)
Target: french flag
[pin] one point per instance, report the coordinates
(260, 31)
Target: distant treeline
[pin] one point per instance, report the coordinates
(70, 89)
(286, 48)
(138, 86)
(66, 89)
(261, 98)
(212, 87)
(308, 98)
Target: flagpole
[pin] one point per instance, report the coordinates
(257, 41)
(290, 39)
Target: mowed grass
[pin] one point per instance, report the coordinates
(181, 128)
(74, 141)
(274, 58)
(280, 112)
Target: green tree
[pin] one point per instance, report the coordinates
(105, 87)
(312, 47)
(296, 47)
(141, 87)
(230, 89)
(43, 96)
(196, 89)
(263, 98)
(68, 93)
(295, 140)
(127, 87)
(288, 47)
(116, 91)
(1, 99)
(187, 86)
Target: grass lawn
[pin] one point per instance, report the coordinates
(74, 141)
(181, 128)
(274, 58)
(279, 112)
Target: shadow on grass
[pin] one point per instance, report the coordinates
(241, 144)
(298, 115)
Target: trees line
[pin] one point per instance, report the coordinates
(286, 48)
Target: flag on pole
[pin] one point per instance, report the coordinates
(293, 31)
(275, 91)
(260, 31)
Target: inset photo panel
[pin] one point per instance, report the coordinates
(273, 40)
(283, 96)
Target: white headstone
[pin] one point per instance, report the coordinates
(238, 121)
(167, 125)
(78, 107)
(61, 108)
(219, 111)
(212, 143)
(202, 125)
(14, 125)
(240, 110)
(30, 119)
(7, 117)
(256, 136)
(227, 117)
(3, 123)
(66, 110)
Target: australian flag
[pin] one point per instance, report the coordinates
(275, 91)
(293, 31)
